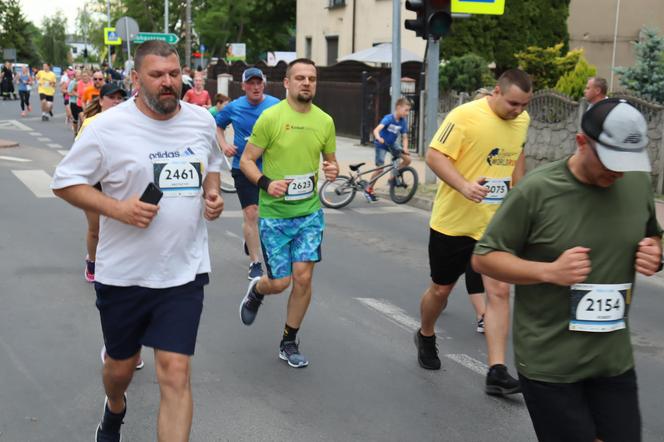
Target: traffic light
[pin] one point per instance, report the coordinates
(439, 18)
(434, 18)
(419, 24)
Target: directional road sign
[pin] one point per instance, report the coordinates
(145, 36)
(494, 7)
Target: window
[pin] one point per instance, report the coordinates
(332, 50)
(337, 3)
(307, 47)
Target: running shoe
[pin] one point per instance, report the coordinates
(246, 249)
(89, 270)
(480, 325)
(427, 352)
(289, 351)
(250, 304)
(102, 354)
(50, 113)
(255, 270)
(499, 381)
(108, 429)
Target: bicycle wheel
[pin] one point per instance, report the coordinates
(227, 181)
(338, 193)
(404, 185)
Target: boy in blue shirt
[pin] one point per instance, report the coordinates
(385, 138)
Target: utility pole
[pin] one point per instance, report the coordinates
(431, 107)
(108, 23)
(187, 40)
(396, 53)
(165, 16)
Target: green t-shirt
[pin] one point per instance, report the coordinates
(549, 212)
(292, 144)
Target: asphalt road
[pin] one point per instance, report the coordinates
(363, 383)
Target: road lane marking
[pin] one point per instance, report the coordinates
(231, 214)
(38, 181)
(63, 152)
(399, 316)
(44, 139)
(383, 209)
(16, 159)
(36, 134)
(332, 211)
(13, 125)
(55, 145)
(233, 235)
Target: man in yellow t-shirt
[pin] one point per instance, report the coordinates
(46, 80)
(478, 154)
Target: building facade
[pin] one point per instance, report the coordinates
(330, 29)
(592, 26)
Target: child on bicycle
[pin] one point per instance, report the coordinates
(385, 139)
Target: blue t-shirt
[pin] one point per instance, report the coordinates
(391, 130)
(243, 115)
(23, 82)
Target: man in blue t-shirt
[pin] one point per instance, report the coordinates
(385, 138)
(242, 113)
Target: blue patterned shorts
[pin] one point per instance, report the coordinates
(285, 241)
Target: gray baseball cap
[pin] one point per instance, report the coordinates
(621, 134)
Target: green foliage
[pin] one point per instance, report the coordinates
(497, 38)
(547, 65)
(51, 44)
(16, 32)
(646, 76)
(465, 74)
(574, 82)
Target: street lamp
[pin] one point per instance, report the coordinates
(615, 41)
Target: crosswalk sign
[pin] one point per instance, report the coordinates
(111, 37)
(493, 7)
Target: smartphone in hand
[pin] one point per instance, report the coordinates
(152, 194)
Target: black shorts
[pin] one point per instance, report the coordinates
(247, 191)
(474, 284)
(164, 319)
(66, 100)
(48, 98)
(75, 110)
(449, 256)
(600, 408)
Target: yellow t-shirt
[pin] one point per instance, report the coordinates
(85, 124)
(47, 82)
(481, 145)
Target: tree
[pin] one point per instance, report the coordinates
(465, 74)
(646, 76)
(16, 32)
(497, 38)
(547, 65)
(574, 82)
(53, 48)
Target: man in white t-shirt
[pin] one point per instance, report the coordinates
(152, 260)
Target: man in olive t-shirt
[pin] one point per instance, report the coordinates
(571, 236)
(291, 137)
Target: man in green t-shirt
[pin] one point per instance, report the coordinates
(571, 236)
(290, 137)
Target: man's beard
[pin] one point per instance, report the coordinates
(304, 99)
(162, 107)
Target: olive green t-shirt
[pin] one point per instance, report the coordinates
(292, 144)
(549, 212)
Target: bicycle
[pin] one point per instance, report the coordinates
(227, 182)
(340, 192)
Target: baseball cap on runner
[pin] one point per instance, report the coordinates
(110, 88)
(250, 73)
(621, 134)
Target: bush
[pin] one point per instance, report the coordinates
(574, 82)
(547, 65)
(466, 73)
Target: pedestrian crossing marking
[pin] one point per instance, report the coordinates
(54, 145)
(38, 181)
(13, 125)
(16, 159)
(36, 134)
(44, 139)
(63, 152)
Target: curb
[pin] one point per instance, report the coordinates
(416, 201)
(8, 143)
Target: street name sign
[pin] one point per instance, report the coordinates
(146, 36)
(493, 7)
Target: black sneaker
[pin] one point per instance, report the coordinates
(427, 352)
(499, 381)
(50, 113)
(108, 429)
(250, 304)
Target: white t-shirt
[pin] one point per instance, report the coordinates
(124, 149)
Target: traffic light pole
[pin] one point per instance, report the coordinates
(431, 106)
(396, 53)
